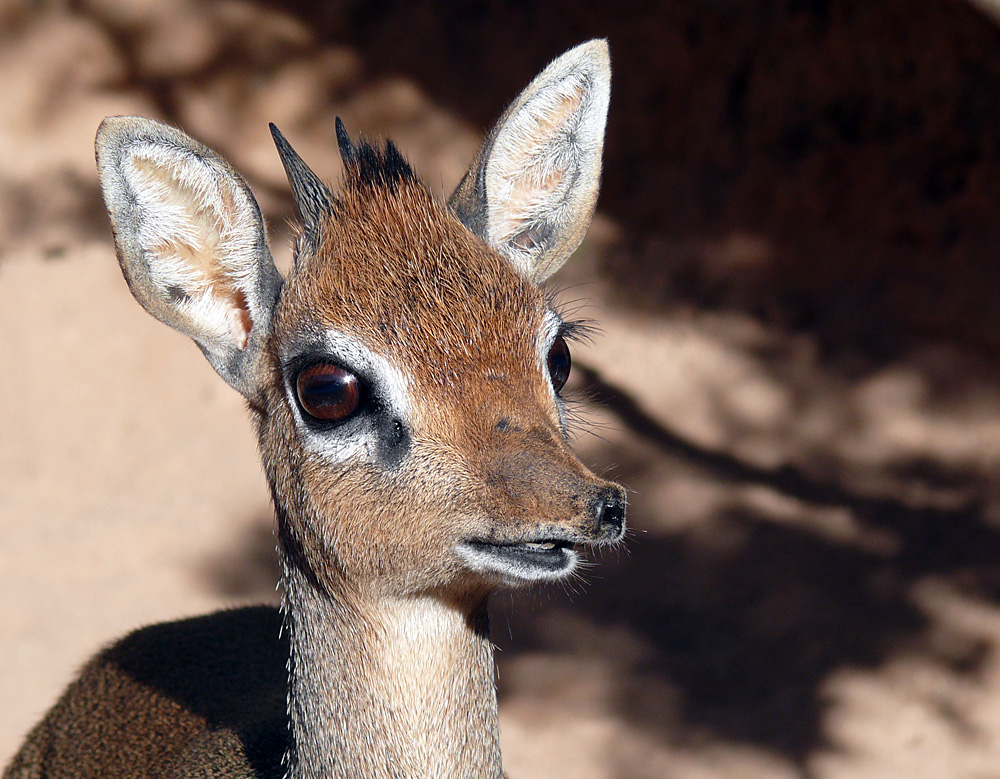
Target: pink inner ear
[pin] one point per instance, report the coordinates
(239, 326)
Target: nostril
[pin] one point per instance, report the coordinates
(609, 511)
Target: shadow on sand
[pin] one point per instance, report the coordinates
(829, 169)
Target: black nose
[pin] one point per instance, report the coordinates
(609, 512)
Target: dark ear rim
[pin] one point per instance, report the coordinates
(546, 246)
(258, 285)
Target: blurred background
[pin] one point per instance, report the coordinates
(794, 267)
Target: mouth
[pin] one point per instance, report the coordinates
(537, 560)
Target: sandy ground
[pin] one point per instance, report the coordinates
(798, 363)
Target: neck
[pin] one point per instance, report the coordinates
(386, 686)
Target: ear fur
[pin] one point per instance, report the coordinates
(532, 190)
(190, 241)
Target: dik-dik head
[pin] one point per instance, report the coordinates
(406, 376)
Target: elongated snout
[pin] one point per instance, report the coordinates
(544, 518)
(542, 481)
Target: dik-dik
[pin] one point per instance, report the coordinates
(405, 382)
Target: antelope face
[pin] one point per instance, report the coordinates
(406, 377)
(420, 377)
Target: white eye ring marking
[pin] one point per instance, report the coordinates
(388, 383)
(547, 334)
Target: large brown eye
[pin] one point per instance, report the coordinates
(560, 363)
(328, 392)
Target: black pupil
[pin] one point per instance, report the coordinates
(328, 392)
(560, 363)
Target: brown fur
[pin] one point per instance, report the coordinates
(167, 696)
(399, 272)
(382, 526)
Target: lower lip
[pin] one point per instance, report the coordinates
(532, 559)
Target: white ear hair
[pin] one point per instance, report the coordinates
(190, 241)
(532, 190)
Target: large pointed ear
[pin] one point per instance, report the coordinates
(190, 241)
(532, 189)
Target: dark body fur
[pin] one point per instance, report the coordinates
(450, 476)
(218, 681)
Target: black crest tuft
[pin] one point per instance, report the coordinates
(348, 151)
(371, 166)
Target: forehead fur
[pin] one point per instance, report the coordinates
(397, 270)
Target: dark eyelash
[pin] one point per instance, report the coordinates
(579, 330)
(572, 327)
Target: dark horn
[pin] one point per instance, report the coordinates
(311, 195)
